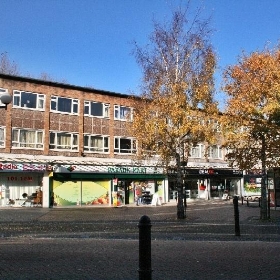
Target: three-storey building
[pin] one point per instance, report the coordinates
(63, 145)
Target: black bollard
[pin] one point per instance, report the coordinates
(145, 269)
(236, 216)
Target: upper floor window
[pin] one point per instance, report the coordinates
(96, 109)
(2, 137)
(96, 143)
(30, 100)
(27, 138)
(197, 151)
(215, 152)
(122, 113)
(125, 145)
(63, 140)
(64, 105)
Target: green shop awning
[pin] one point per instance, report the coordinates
(93, 176)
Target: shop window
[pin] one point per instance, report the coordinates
(27, 138)
(96, 109)
(122, 113)
(63, 141)
(28, 100)
(64, 105)
(125, 145)
(96, 143)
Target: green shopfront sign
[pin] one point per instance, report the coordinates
(134, 170)
(126, 170)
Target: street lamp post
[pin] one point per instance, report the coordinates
(180, 197)
(5, 99)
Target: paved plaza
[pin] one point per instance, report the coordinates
(102, 243)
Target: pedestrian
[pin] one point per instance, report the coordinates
(138, 195)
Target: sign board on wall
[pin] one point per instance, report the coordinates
(6, 167)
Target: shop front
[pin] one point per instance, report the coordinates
(21, 184)
(103, 185)
(208, 183)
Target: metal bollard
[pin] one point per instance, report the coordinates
(145, 269)
(236, 216)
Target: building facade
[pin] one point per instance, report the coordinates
(64, 145)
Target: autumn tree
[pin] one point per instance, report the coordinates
(252, 117)
(177, 92)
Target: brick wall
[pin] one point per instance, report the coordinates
(50, 121)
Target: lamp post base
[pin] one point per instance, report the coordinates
(180, 209)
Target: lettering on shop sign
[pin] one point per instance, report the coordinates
(19, 178)
(22, 167)
(141, 170)
(237, 172)
(209, 171)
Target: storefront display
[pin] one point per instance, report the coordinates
(20, 183)
(104, 185)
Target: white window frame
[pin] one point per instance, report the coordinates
(197, 151)
(73, 144)
(17, 100)
(121, 112)
(3, 136)
(118, 146)
(17, 142)
(105, 146)
(74, 110)
(105, 109)
(215, 152)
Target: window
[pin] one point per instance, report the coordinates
(96, 109)
(64, 105)
(27, 138)
(29, 100)
(2, 137)
(125, 145)
(215, 152)
(122, 113)
(96, 143)
(63, 141)
(197, 151)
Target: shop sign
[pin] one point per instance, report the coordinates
(139, 170)
(209, 171)
(22, 167)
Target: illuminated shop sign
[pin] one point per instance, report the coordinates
(22, 167)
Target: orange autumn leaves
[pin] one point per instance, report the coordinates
(252, 115)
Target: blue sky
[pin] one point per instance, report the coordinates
(89, 42)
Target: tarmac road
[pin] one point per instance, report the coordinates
(102, 243)
(76, 258)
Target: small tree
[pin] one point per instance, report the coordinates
(7, 66)
(252, 119)
(177, 92)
